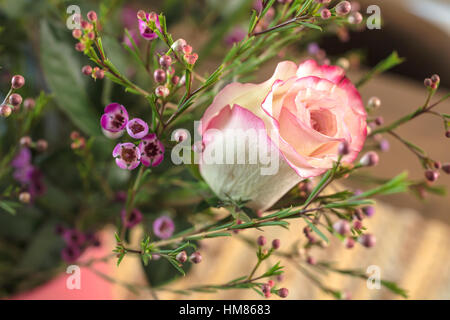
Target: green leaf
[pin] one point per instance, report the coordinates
(393, 287)
(386, 64)
(310, 25)
(176, 265)
(395, 185)
(62, 71)
(9, 206)
(316, 230)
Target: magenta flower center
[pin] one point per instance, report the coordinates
(136, 127)
(128, 155)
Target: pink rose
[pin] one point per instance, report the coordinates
(305, 112)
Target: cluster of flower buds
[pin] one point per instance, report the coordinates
(432, 82)
(268, 288)
(95, 73)
(181, 47)
(261, 241)
(195, 257)
(78, 141)
(432, 174)
(76, 242)
(86, 34)
(40, 145)
(165, 76)
(13, 100)
(305, 187)
(150, 151)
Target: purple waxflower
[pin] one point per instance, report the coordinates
(133, 218)
(137, 128)
(74, 237)
(22, 159)
(23, 174)
(163, 227)
(127, 155)
(71, 253)
(235, 36)
(36, 185)
(145, 31)
(152, 150)
(115, 118)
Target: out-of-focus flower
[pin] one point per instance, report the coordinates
(127, 155)
(152, 150)
(74, 237)
(163, 227)
(133, 218)
(236, 35)
(71, 253)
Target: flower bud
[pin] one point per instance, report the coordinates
(187, 49)
(435, 78)
(283, 292)
(431, 175)
(175, 80)
(271, 283)
(342, 227)
(384, 145)
(349, 243)
(41, 145)
(437, 165)
(165, 61)
(86, 70)
(15, 99)
(92, 16)
(428, 82)
(180, 135)
(162, 91)
(80, 46)
(357, 224)
(276, 244)
(152, 16)
(91, 35)
(355, 18)
(280, 277)
(374, 103)
(343, 8)
(311, 260)
(447, 133)
(29, 103)
(195, 257)
(17, 82)
(99, 74)
(368, 240)
(24, 197)
(191, 58)
(181, 257)
(370, 159)
(261, 241)
(343, 148)
(379, 121)
(5, 111)
(446, 168)
(160, 76)
(77, 33)
(25, 141)
(325, 14)
(369, 211)
(86, 25)
(178, 45)
(141, 15)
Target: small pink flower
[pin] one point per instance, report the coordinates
(71, 253)
(127, 155)
(137, 128)
(145, 31)
(73, 237)
(152, 150)
(115, 118)
(163, 227)
(134, 218)
(237, 35)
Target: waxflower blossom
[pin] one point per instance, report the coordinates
(73, 237)
(152, 150)
(145, 30)
(70, 253)
(132, 219)
(114, 120)
(235, 36)
(163, 227)
(127, 155)
(137, 128)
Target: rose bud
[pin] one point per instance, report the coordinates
(159, 75)
(283, 292)
(261, 241)
(181, 257)
(24, 197)
(294, 144)
(15, 99)
(342, 227)
(5, 111)
(276, 244)
(370, 159)
(195, 257)
(17, 82)
(25, 141)
(368, 240)
(165, 61)
(29, 103)
(77, 33)
(431, 175)
(325, 14)
(355, 18)
(41, 145)
(86, 70)
(92, 16)
(343, 8)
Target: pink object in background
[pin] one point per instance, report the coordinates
(93, 287)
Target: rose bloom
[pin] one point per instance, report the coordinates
(304, 111)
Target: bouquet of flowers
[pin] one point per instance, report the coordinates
(181, 142)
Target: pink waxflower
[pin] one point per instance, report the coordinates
(152, 150)
(133, 218)
(145, 31)
(71, 253)
(235, 36)
(163, 227)
(127, 155)
(301, 115)
(114, 120)
(137, 128)
(73, 237)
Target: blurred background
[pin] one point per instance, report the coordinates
(413, 234)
